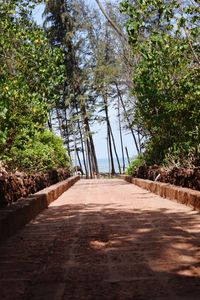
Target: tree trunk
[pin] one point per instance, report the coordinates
(127, 117)
(59, 123)
(82, 145)
(109, 135)
(115, 149)
(89, 156)
(121, 138)
(79, 161)
(67, 135)
(127, 155)
(90, 142)
(50, 122)
(111, 21)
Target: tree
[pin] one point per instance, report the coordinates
(66, 27)
(121, 66)
(27, 82)
(163, 35)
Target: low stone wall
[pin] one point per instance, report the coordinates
(15, 216)
(182, 195)
(14, 186)
(185, 177)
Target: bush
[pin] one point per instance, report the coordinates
(138, 161)
(37, 152)
(184, 156)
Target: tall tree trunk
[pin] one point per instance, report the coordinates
(115, 149)
(93, 157)
(128, 158)
(120, 133)
(59, 122)
(91, 147)
(67, 135)
(108, 150)
(109, 134)
(92, 162)
(82, 144)
(50, 121)
(128, 120)
(139, 139)
(89, 156)
(79, 160)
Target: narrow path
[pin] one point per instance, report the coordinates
(105, 239)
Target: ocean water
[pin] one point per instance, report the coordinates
(103, 165)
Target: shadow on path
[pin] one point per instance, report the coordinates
(92, 252)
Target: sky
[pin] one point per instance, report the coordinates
(99, 130)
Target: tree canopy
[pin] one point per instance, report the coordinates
(140, 57)
(164, 36)
(29, 80)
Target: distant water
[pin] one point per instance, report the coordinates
(104, 165)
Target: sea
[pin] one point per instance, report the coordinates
(103, 165)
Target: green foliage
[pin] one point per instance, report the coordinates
(166, 80)
(29, 84)
(182, 156)
(38, 151)
(138, 161)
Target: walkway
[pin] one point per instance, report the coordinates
(105, 239)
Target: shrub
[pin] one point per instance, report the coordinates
(38, 151)
(138, 161)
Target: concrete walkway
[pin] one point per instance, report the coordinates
(105, 239)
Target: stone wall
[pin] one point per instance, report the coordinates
(15, 216)
(189, 178)
(14, 186)
(182, 195)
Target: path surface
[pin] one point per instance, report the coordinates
(105, 239)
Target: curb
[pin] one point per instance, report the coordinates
(182, 195)
(20, 213)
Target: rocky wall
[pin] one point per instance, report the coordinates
(14, 186)
(189, 178)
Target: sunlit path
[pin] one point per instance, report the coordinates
(105, 239)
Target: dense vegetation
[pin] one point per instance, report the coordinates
(164, 37)
(140, 57)
(29, 79)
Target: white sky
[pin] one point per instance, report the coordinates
(100, 138)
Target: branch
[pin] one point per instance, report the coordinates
(191, 47)
(188, 36)
(112, 23)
